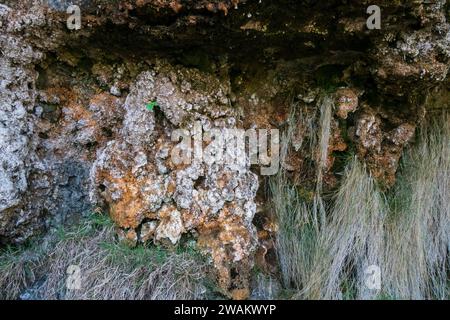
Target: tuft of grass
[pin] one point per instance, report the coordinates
(418, 233)
(297, 221)
(351, 240)
(405, 232)
(18, 269)
(297, 233)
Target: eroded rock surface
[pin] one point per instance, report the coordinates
(150, 196)
(76, 132)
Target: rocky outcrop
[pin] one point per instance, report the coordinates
(151, 197)
(87, 116)
(18, 220)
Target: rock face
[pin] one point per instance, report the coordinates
(16, 99)
(76, 131)
(151, 198)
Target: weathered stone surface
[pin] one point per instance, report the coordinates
(75, 131)
(16, 99)
(381, 148)
(346, 102)
(135, 176)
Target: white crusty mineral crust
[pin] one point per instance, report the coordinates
(146, 191)
(170, 226)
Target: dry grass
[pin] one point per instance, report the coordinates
(418, 233)
(406, 232)
(18, 270)
(296, 238)
(297, 218)
(108, 269)
(351, 240)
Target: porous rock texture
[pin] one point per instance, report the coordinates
(75, 132)
(152, 198)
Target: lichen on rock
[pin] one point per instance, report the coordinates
(146, 192)
(76, 132)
